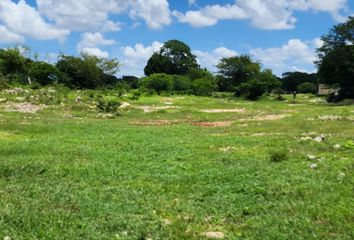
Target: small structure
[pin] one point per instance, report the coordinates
(324, 89)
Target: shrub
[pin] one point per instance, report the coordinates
(134, 95)
(158, 82)
(108, 105)
(307, 87)
(251, 90)
(203, 86)
(278, 155)
(181, 83)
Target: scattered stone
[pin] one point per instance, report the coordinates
(341, 176)
(320, 138)
(7, 238)
(313, 166)
(24, 107)
(124, 105)
(214, 235)
(330, 117)
(311, 157)
(337, 146)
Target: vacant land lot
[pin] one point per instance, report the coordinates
(177, 167)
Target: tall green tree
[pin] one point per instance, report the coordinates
(174, 57)
(87, 71)
(336, 58)
(236, 70)
(291, 80)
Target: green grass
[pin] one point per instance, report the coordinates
(69, 173)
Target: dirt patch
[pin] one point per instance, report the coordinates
(156, 123)
(237, 110)
(266, 118)
(149, 109)
(212, 124)
(23, 107)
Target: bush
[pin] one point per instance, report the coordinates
(181, 83)
(158, 82)
(278, 155)
(203, 86)
(108, 105)
(307, 87)
(251, 90)
(134, 95)
(3, 83)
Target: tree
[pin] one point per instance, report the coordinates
(12, 61)
(336, 59)
(291, 80)
(87, 71)
(174, 58)
(307, 87)
(236, 70)
(244, 77)
(43, 73)
(158, 82)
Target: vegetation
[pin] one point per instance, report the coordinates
(336, 59)
(175, 57)
(245, 77)
(166, 168)
(292, 80)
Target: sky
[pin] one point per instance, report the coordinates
(282, 34)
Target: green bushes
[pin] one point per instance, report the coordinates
(251, 90)
(108, 104)
(278, 155)
(158, 82)
(307, 87)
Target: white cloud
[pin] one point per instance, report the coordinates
(209, 60)
(95, 52)
(82, 15)
(22, 19)
(136, 57)
(263, 14)
(93, 15)
(9, 37)
(156, 13)
(295, 54)
(90, 41)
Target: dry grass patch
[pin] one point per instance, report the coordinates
(212, 124)
(156, 122)
(272, 117)
(149, 109)
(236, 110)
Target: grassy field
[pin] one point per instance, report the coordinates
(177, 167)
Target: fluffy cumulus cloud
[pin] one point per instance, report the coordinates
(263, 14)
(90, 43)
(295, 55)
(209, 60)
(136, 57)
(94, 15)
(20, 20)
(6, 36)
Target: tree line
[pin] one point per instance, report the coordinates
(175, 69)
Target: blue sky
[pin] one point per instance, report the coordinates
(281, 34)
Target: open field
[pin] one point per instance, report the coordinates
(177, 167)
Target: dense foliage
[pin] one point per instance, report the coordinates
(292, 80)
(174, 57)
(240, 74)
(336, 59)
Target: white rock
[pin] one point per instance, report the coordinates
(311, 157)
(215, 235)
(337, 146)
(7, 238)
(320, 138)
(313, 166)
